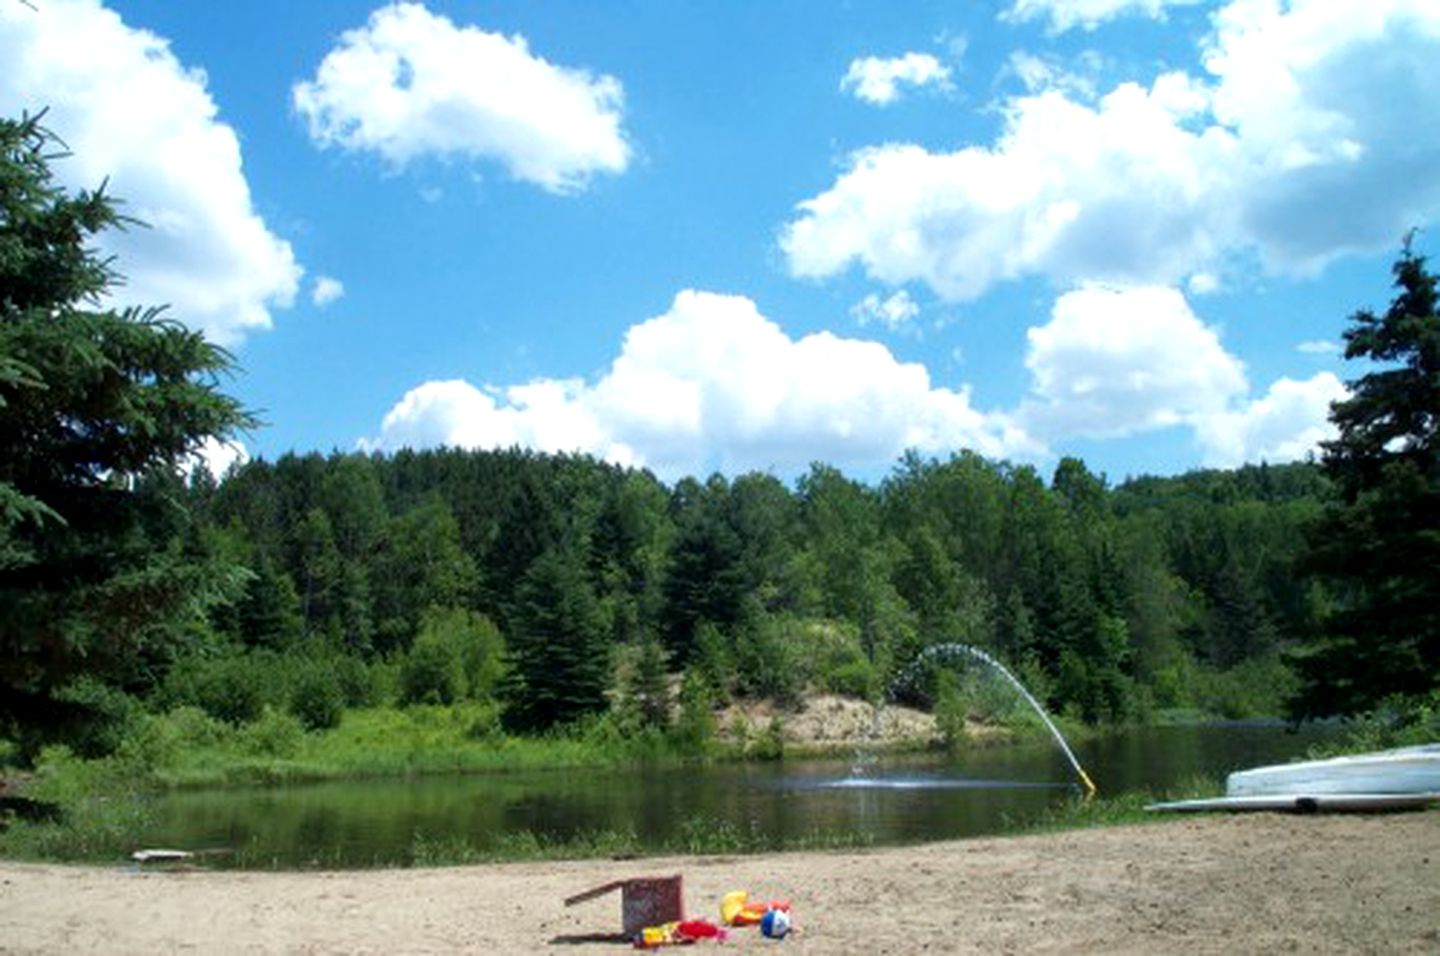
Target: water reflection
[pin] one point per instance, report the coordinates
(899, 800)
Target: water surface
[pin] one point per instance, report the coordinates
(897, 800)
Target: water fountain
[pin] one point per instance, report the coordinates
(860, 767)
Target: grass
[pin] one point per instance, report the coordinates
(1122, 809)
(186, 749)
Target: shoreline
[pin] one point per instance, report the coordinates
(1208, 884)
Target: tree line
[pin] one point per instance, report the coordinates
(1175, 593)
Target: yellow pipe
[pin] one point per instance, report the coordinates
(1089, 784)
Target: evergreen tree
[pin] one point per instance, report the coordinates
(648, 687)
(1379, 545)
(706, 580)
(97, 407)
(560, 662)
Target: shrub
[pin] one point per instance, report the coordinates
(484, 724)
(276, 734)
(768, 659)
(357, 683)
(770, 744)
(694, 729)
(227, 688)
(1258, 687)
(316, 698)
(103, 717)
(431, 672)
(157, 739)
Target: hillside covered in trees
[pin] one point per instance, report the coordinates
(557, 586)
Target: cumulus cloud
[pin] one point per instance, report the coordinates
(1113, 363)
(1286, 424)
(1299, 144)
(133, 113)
(411, 83)
(878, 81)
(895, 312)
(327, 289)
(1062, 15)
(1116, 362)
(713, 383)
(1318, 347)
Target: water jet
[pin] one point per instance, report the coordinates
(955, 649)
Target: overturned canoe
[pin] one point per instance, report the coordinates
(1407, 770)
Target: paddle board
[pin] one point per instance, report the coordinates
(1306, 802)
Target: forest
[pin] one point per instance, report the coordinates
(547, 592)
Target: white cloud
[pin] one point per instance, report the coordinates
(1066, 14)
(327, 289)
(218, 457)
(895, 312)
(1300, 145)
(1319, 347)
(1286, 424)
(713, 383)
(1038, 73)
(411, 83)
(878, 80)
(1116, 362)
(129, 110)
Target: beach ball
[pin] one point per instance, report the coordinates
(775, 924)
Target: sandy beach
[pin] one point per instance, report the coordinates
(1342, 884)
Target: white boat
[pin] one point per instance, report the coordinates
(1407, 770)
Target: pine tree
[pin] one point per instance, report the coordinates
(560, 665)
(1378, 546)
(100, 409)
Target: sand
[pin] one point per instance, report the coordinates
(1252, 883)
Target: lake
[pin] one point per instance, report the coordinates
(767, 806)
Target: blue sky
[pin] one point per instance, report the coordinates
(744, 235)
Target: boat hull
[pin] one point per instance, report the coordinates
(1408, 770)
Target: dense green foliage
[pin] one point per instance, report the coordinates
(98, 583)
(561, 587)
(1378, 547)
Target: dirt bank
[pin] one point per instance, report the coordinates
(1220, 884)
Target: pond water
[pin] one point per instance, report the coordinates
(765, 806)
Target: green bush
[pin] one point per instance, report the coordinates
(230, 688)
(694, 729)
(1258, 687)
(431, 672)
(358, 686)
(157, 739)
(484, 723)
(316, 698)
(770, 660)
(770, 743)
(475, 643)
(277, 733)
(103, 717)
(855, 678)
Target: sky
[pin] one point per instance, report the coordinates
(728, 235)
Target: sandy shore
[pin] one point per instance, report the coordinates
(1343, 884)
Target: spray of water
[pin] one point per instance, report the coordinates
(965, 650)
